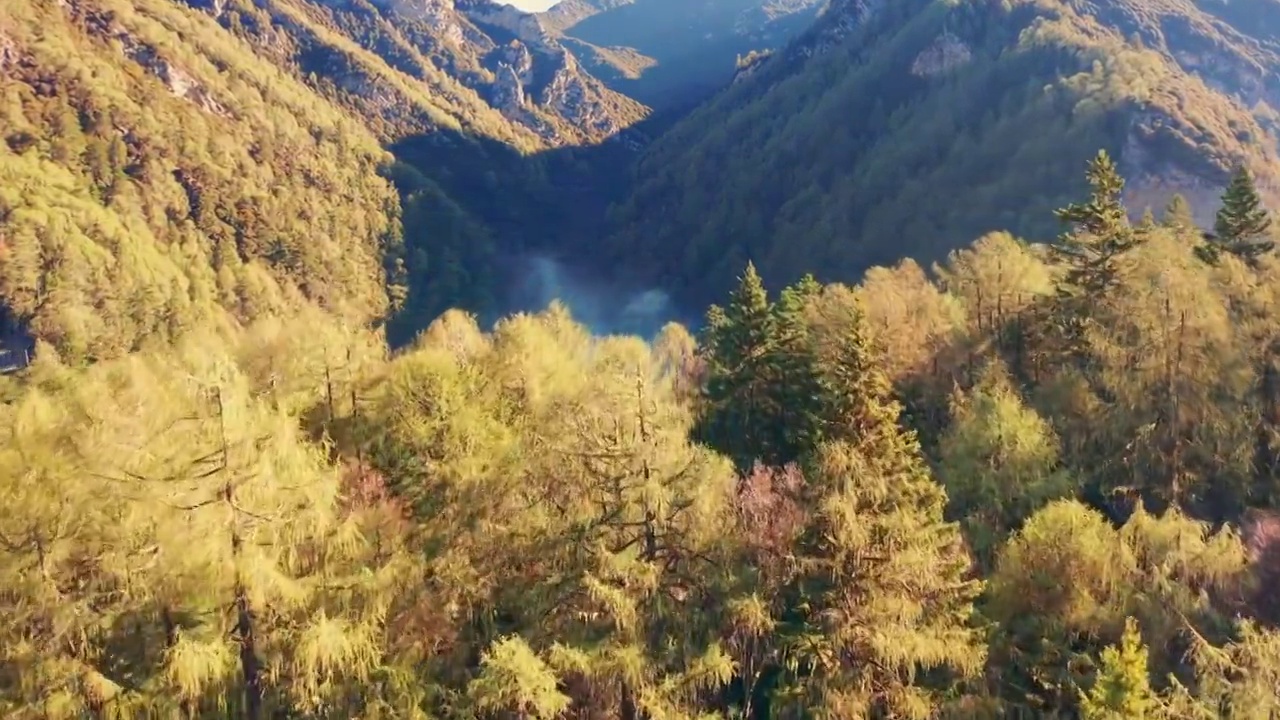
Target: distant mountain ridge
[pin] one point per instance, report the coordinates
(910, 128)
(664, 52)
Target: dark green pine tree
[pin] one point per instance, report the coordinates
(739, 414)
(1099, 235)
(762, 399)
(799, 390)
(1242, 225)
(876, 559)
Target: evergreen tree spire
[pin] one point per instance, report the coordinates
(799, 388)
(1122, 690)
(1100, 233)
(1089, 251)
(1148, 220)
(1242, 224)
(876, 558)
(1177, 214)
(860, 393)
(762, 397)
(738, 414)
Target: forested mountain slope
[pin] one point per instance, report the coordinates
(409, 66)
(906, 128)
(169, 162)
(156, 175)
(670, 52)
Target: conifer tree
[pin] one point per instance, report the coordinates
(1100, 234)
(1122, 690)
(882, 593)
(211, 527)
(795, 362)
(1177, 214)
(1242, 224)
(761, 400)
(1148, 220)
(738, 414)
(999, 461)
(1089, 252)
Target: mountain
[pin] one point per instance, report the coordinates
(168, 162)
(413, 66)
(156, 176)
(909, 128)
(669, 52)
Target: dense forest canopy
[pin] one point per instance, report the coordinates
(1036, 482)
(194, 184)
(165, 166)
(264, 455)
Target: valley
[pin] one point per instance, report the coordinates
(639, 359)
(825, 149)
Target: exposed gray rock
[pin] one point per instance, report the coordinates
(516, 56)
(571, 95)
(945, 54)
(507, 93)
(837, 21)
(213, 7)
(179, 82)
(523, 25)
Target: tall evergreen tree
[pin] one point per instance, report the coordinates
(799, 389)
(762, 399)
(1099, 235)
(881, 595)
(1242, 224)
(738, 414)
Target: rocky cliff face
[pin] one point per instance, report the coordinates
(524, 26)
(104, 25)
(838, 19)
(946, 53)
(550, 75)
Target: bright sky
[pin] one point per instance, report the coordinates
(531, 5)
